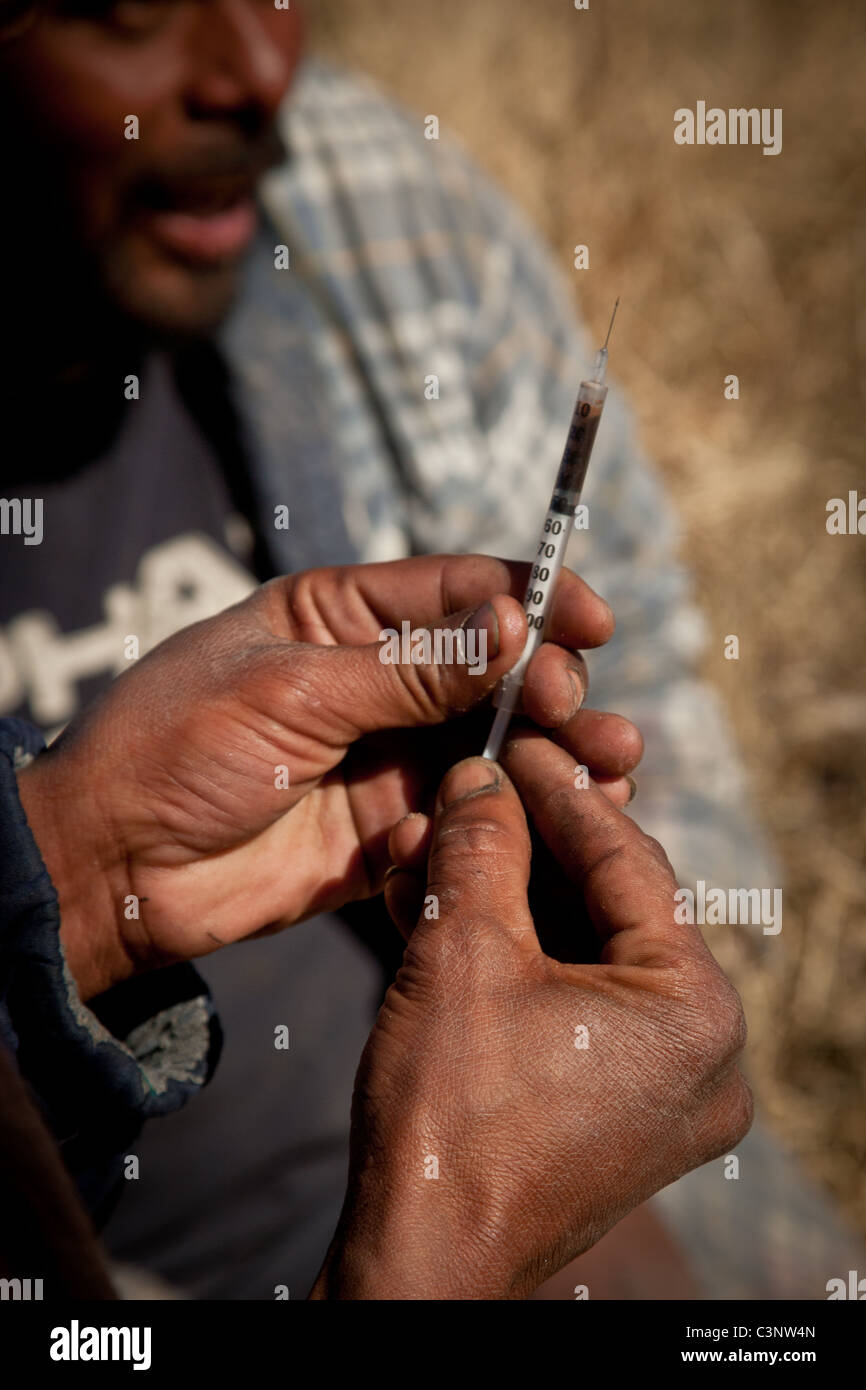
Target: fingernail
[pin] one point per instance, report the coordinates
(633, 784)
(468, 778)
(484, 620)
(575, 675)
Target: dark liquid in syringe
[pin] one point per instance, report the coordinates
(575, 457)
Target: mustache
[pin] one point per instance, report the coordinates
(230, 162)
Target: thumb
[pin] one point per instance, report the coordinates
(415, 675)
(478, 869)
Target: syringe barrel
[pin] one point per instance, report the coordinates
(553, 542)
(578, 446)
(538, 601)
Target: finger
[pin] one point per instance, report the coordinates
(607, 744)
(409, 842)
(626, 880)
(553, 695)
(479, 855)
(349, 604)
(579, 617)
(404, 898)
(619, 790)
(555, 686)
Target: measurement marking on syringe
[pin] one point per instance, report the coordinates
(543, 578)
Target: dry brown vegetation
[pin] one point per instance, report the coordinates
(727, 261)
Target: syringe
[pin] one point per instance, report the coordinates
(553, 543)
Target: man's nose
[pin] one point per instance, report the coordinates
(236, 63)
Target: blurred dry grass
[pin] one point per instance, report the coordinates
(727, 261)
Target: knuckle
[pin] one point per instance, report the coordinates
(608, 862)
(344, 597)
(469, 963)
(713, 1032)
(729, 1022)
(729, 1119)
(476, 837)
(425, 685)
(469, 854)
(301, 594)
(656, 850)
(301, 603)
(739, 1111)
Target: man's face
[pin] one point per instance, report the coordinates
(159, 222)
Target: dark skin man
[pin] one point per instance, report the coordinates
(165, 787)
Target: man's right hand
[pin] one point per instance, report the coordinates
(510, 1109)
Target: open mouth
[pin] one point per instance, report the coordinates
(202, 221)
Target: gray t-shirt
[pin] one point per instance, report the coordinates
(137, 543)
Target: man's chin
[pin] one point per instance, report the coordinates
(169, 299)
